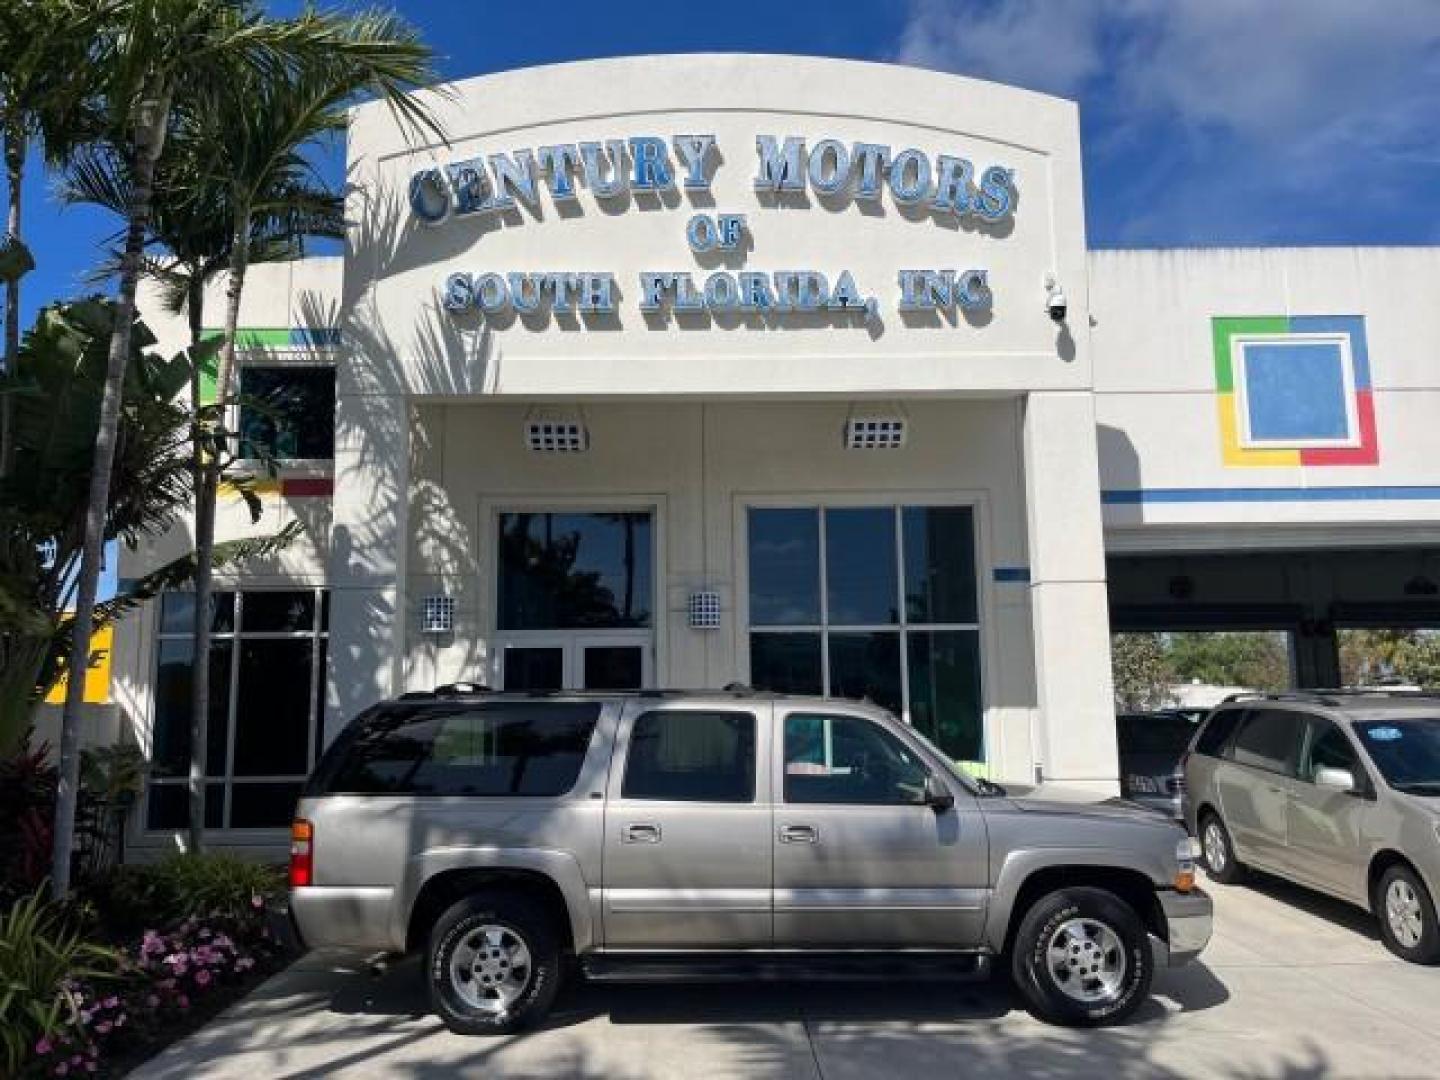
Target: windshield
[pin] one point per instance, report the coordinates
(1407, 752)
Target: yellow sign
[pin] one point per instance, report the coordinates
(97, 675)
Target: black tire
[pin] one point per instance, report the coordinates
(1424, 949)
(1218, 851)
(458, 1001)
(1052, 920)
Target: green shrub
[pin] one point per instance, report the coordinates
(159, 895)
(42, 957)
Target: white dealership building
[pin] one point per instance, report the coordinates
(681, 371)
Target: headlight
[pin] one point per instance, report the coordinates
(1187, 851)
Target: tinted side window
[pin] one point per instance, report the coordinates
(1217, 732)
(1329, 748)
(1270, 739)
(505, 748)
(691, 756)
(847, 759)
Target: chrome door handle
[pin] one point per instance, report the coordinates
(799, 834)
(642, 834)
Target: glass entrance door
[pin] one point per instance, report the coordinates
(577, 662)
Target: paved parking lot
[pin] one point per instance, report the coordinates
(1292, 987)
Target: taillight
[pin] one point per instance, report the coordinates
(302, 853)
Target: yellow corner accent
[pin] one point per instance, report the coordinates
(97, 675)
(1232, 453)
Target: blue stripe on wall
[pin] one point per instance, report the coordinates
(1012, 574)
(1133, 497)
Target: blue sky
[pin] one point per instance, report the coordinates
(1214, 123)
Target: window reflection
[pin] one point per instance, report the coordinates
(561, 571)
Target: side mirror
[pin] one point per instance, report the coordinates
(937, 795)
(1336, 779)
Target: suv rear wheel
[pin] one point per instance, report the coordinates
(1219, 851)
(1407, 916)
(492, 965)
(1081, 958)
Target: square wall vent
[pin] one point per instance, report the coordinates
(557, 436)
(875, 433)
(705, 610)
(438, 615)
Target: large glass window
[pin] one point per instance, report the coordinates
(691, 756)
(563, 571)
(287, 412)
(845, 759)
(267, 678)
(871, 602)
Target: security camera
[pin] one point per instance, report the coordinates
(1056, 304)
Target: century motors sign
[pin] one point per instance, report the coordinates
(786, 167)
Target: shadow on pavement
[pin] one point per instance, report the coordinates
(1343, 915)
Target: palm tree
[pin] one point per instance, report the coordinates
(152, 54)
(44, 97)
(254, 132)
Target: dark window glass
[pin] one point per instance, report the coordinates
(322, 678)
(939, 564)
(171, 753)
(279, 612)
(1270, 740)
(945, 690)
(692, 756)
(1407, 752)
(559, 571)
(177, 613)
(1330, 748)
(324, 610)
(514, 748)
(613, 667)
(784, 567)
(168, 806)
(287, 412)
(860, 567)
(866, 667)
(534, 668)
(1155, 733)
(1217, 731)
(272, 708)
(262, 806)
(786, 663)
(847, 759)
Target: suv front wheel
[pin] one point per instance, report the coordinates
(1081, 957)
(492, 966)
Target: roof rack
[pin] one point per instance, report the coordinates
(1328, 695)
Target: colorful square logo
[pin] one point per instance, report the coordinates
(1294, 391)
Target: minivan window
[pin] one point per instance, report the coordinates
(691, 755)
(1270, 740)
(499, 748)
(1217, 732)
(1329, 748)
(1406, 751)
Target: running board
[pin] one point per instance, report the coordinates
(783, 966)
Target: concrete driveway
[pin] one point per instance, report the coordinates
(1292, 987)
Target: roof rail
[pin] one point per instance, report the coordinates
(1327, 695)
(459, 689)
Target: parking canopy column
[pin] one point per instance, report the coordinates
(1076, 725)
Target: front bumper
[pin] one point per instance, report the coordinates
(1189, 922)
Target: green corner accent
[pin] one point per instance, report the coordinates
(1222, 330)
(209, 373)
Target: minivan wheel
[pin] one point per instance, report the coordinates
(1407, 916)
(492, 965)
(1219, 851)
(1081, 958)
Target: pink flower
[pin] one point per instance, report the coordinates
(202, 977)
(257, 901)
(151, 943)
(90, 1066)
(110, 1002)
(61, 1069)
(75, 1059)
(244, 964)
(183, 1001)
(43, 1047)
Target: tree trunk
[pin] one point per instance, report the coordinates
(15, 175)
(149, 139)
(200, 662)
(206, 498)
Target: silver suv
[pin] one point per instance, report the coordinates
(1336, 790)
(718, 835)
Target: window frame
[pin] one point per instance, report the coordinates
(1316, 727)
(319, 637)
(897, 501)
(782, 722)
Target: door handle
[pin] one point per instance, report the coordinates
(799, 834)
(642, 834)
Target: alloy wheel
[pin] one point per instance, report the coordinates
(491, 968)
(1086, 960)
(1404, 914)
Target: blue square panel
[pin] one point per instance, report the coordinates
(1295, 390)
